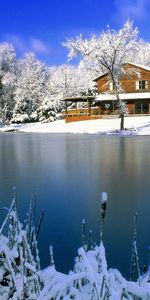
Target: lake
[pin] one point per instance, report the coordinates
(68, 174)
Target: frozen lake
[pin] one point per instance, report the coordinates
(69, 173)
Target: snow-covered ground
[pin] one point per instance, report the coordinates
(134, 126)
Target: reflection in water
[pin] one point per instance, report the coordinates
(69, 173)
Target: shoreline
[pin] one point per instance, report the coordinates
(133, 126)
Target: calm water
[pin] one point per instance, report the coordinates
(69, 173)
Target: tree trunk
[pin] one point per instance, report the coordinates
(122, 122)
(121, 103)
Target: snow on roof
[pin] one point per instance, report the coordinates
(123, 96)
(139, 66)
(147, 68)
(101, 75)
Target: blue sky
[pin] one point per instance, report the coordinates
(41, 25)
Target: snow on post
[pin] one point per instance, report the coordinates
(103, 204)
(83, 233)
(51, 256)
(103, 212)
(134, 256)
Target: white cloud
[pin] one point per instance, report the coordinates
(39, 46)
(132, 9)
(19, 43)
(23, 45)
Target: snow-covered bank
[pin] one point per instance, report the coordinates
(134, 125)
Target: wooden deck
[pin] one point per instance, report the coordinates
(83, 114)
(78, 118)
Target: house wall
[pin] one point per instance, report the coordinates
(103, 84)
(128, 82)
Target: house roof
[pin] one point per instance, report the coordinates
(130, 63)
(123, 96)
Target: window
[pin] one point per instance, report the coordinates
(111, 86)
(142, 85)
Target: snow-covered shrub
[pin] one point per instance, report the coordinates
(91, 280)
(25, 118)
(19, 259)
(21, 277)
(20, 118)
(49, 110)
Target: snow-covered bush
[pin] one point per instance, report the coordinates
(91, 280)
(19, 259)
(49, 110)
(20, 118)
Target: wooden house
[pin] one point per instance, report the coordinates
(134, 90)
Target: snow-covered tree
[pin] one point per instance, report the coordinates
(70, 81)
(8, 68)
(106, 54)
(30, 88)
(63, 81)
(51, 105)
(85, 77)
(141, 54)
(66, 81)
